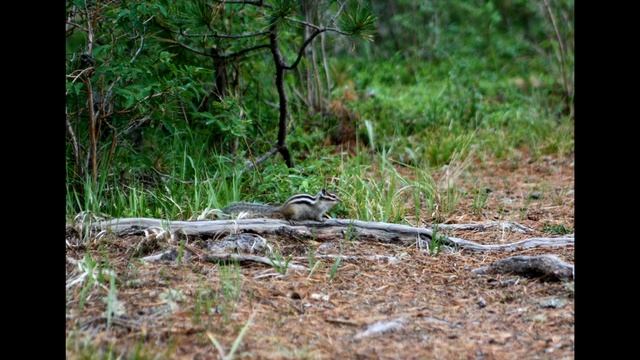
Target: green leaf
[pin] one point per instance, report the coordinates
(281, 9)
(358, 21)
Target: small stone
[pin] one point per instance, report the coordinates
(570, 286)
(501, 338)
(326, 247)
(481, 302)
(170, 255)
(506, 201)
(539, 318)
(316, 296)
(535, 195)
(552, 303)
(509, 282)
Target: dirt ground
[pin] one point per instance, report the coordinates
(436, 306)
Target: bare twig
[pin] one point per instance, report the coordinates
(136, 124)
(356, 258)
(324, 61)
(144, 23)
(243, 51)
(382, 327)
(80, 73)
(503, 225)
(139, 49)
(249, 258)
(558, 37)
(184, 112)
(303, 47)
(316, 27)
(342, 321)
(74, 25)
(252, 164)
(212, 53)
(109, 92)
(563, 55)
(92, 133)
(171, 177)
(302, 99)
(74, 141)
(223, 36)
(89, 30)
(317, 32)
(224, 56)
(92, 115)
(333, 19)
(185, 46)
(171, 254)
(259, 3)
(77, 280)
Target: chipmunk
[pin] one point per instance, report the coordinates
(297, 207)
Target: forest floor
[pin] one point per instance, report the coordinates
(438, 307)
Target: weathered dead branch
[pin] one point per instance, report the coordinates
(354, 258)
(502, 225)
(546, 266)
(170, 255)
(251, 258)
(250, 165)
(510, 247)
(382, 327)
(320, 231)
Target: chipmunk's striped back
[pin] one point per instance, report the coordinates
(307, 207)
(302, 199)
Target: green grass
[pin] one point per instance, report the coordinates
(204, 304)
(421, 119)
(279, 262)
(236, 343)
(436, 241)
(333, 272)
(312, 261)
(230, 288)
(114, 306)
(84, 349)
(556, 229)
(480, 200)
(480, 93)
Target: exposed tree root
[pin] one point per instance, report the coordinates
(546, 266)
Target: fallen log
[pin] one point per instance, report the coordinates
(546, 266)
(319, 231)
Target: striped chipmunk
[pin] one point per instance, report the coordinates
(297, 207)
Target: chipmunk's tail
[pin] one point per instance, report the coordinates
(250, 209)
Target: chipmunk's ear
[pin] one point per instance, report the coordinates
(324, 191)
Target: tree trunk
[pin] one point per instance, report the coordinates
(282, 96)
